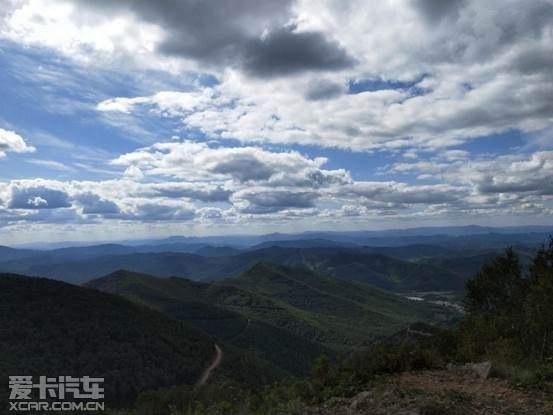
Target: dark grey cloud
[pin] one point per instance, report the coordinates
(526, 185)
(47, 216)
(209, 30)
(397, 194)
(435, 10)
(170, 190)
(153, 212)
(285, 51)
(277, 200)
(95, 205)
(39, 197)
(229, 32)
(473, 38)
(313, 178)
(244, 167)
(534, 61)
(531, 21)
(323, 90)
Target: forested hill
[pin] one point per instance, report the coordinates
(269, 305)
(232, 316)
(51, 328)
(350, 312)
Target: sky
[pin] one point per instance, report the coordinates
(135, 118)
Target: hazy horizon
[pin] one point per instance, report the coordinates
(426, 230)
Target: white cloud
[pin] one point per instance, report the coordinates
(261, 201)
(11, 141)
(515, 186)
(394, 194)
(89, 37)
(481, 68)
(39, 197)
(168, 103)
(446, 115)
(514, 178)
(436, 77)
(523, 176)
(51, 164)
(193, 161)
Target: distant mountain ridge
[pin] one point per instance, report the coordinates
(243, 241)
(346, 263)
(399, 262)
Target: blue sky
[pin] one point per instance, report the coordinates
(121, 122)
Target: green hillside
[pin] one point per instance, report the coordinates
(232, 316)
(376, 269)
(344, 314)
(52, 328)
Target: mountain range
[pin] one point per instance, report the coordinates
(284, 316)
(438, 266)
(83, 264)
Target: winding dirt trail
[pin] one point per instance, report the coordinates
(216, 362)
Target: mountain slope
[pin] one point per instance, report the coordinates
(301, 243)
(13, 254)
(346, 313)
(288, 316)
(230, 315)
(77, 272)
(52, 328)
(359, 265)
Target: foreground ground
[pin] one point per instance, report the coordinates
(441, 393)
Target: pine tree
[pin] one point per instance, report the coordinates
(539, 305)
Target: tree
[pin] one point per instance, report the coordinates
(539, 304)
(498, 290)
(495, 309)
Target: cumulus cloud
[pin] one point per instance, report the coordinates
(39, 197)
(413, 80)
(287, 51)
(207, 31)
(196, 161)
(92, 204)
(436, 10)
(324, 89)
(11, 141)
(159, 212)
(517, 175)
(516, 178)
(396, 194)
(478, 69)
(448, 115)
(270, 201)
(513, 185)
(194, 191)
(169, 103)
(262, 36)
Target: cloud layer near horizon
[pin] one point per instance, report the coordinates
(190, 181)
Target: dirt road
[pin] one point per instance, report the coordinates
(216, 362)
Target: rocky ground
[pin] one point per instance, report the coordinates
(441, 393)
